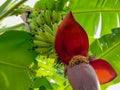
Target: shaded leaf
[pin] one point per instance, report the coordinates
(61, 5)
(16, 55)
(44, 4)
(42, 83)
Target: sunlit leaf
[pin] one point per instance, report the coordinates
(102, 14)
(108, 47)
(4, 6)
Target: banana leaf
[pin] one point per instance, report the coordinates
(96, 15)
(16, 55)
(8, 6)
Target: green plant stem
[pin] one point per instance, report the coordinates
(11, 9)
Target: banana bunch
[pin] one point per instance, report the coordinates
(44, 26)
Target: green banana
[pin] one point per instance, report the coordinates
(47, 54)
(43, 36)
(41, 20)
(48, 29)
(44, 26)
(55, 28)
(38, 37)
(42, 50)
(41, 44)
(35, 23)
(32, 26)
(54, 17)
(58, 17)
(52, 53)
(50, 37)
(47, 17)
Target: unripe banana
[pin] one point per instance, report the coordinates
(32, 26)
(50, 37)
(41, 26)
(41, 44)
(55, 28)
(47, 17)
(38, 37)
(34, 23)
(48, 54)
(41, 20)
(48, 29)
(54, 17)
(52, 53)
(42, 50)
(43, 36)
(58, 17)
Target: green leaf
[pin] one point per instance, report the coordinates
(44, 4)
(11, 8)
(108, 48)
(42, 83)
(60, 5)
(16, 55)
(102, 14)
(15, 27)
(4, 6)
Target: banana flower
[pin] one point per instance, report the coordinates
(71, 46)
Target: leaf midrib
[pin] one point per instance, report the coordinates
(96, 10)
(13, 65)
(109, 50)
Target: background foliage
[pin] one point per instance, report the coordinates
(21, 68)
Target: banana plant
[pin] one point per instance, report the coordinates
(97, 17)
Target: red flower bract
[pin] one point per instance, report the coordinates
(104, 70)
(71, 39)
